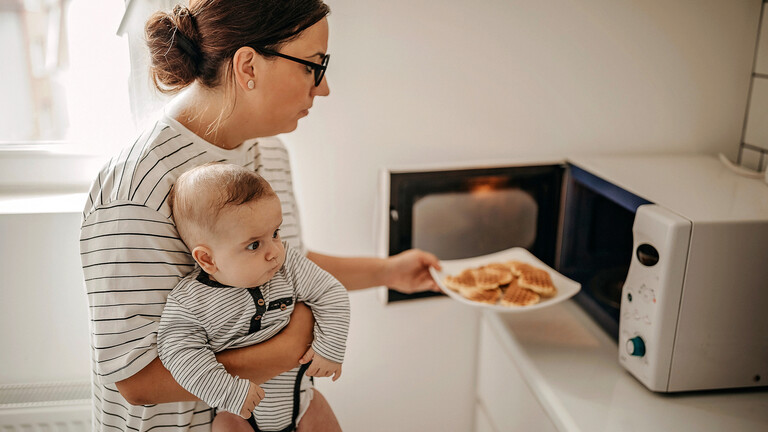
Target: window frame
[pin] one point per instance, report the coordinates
(40, 167)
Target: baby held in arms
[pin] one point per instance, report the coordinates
(243, 292)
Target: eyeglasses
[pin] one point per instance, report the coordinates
(318, 69)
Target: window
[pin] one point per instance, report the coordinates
(66, 72)
(74, 73)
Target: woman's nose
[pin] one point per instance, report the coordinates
(323, 89)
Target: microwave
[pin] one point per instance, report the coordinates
(671, 250)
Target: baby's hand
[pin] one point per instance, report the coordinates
(254, 396)
(308, 356)
(321, 367)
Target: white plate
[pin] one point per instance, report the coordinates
(566, 288)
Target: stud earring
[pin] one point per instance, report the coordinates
(251, 84)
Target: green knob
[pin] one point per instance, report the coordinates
(636, 346)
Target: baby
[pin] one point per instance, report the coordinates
(241, 293)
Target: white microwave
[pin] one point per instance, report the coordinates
(671, 250)
(694, 305)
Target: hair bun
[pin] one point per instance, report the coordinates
(173, 42)
(185, 21)
(187, 34)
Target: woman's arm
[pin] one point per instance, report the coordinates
(407, 272)
(258, 363)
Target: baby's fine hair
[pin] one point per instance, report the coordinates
(200, 194)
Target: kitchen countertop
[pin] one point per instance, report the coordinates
(571, 366)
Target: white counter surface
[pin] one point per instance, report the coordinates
(571, 366)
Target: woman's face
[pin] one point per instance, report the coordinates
(285, 90)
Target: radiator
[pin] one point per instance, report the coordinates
(49, 407)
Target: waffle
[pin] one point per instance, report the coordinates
(472, 279)
(465, 279)
(519, 267)
(538, 281)
(504, 271)
(515, 295)
(493, 275)
(490, 296)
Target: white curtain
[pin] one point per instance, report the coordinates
(146, 101)
(34, 50)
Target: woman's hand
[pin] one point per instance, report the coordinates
(408, 272)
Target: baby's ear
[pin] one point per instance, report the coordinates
(203, 255)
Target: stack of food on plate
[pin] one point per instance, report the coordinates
(510, 283)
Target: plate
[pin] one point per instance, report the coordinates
(566, 288)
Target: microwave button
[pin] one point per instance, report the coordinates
(636, 346)
(647, 255)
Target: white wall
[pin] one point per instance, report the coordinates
(447, 81)
(756, 130)
(43, 309)
(429, 81)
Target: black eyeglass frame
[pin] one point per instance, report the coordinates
(317, 68)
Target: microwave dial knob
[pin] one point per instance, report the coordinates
(636, 346)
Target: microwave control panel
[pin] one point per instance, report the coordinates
(651, 294)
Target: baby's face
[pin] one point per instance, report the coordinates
(247, 249)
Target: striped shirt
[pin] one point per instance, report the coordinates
(203, 317)
(132, 258)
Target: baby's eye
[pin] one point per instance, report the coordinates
(276, 234)
(253, 246)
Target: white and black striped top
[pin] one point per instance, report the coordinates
(132, 258)
(203, 317)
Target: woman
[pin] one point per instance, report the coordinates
(249, 69)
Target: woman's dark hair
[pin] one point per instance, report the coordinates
(192, 43)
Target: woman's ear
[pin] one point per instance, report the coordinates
(204, 256)
(244, 64)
